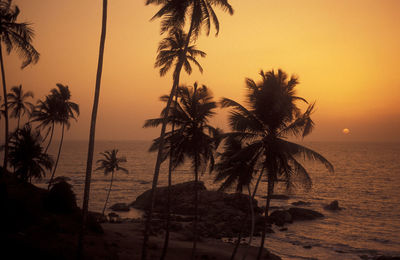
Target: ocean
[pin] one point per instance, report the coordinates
(366, 182)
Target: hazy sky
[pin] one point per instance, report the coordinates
(345, 52)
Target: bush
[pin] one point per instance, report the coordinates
(61, 198)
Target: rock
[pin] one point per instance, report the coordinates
(277, 197)
(301, 203)
(220, 214)
(304, 214)
(334, 206)
(283, 229)
(280, 217)
(382, 257)
(307, 247)
(120, 207)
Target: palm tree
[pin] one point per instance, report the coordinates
(65, 111)
(17, 36)
(272, 116)
(89, 162)
(109, 164)
(237, 167)
(46, 114)
(174, 13)
(194, 138)
(170, 51)
(27, 156)
(17, 102)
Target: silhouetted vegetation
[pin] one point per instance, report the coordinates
(174, 14)
(272, 116)
(110, 164)
(27, 156)
(18, 104)
(15, 36)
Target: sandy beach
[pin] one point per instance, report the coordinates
(126, 239)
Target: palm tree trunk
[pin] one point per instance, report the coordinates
(109, 191)
(3, 76)
(171, 151)
(58, 156)
(89, 163)
(51, 138)
(245, 218)
(19, 117)
(252, 223)
(161, 148)
(196, 205)
(269, 194)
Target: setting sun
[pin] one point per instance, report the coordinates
(346, 131)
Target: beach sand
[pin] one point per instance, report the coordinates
(126, 238)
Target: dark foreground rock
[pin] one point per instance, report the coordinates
(40, 224)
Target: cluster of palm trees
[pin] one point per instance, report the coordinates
(27, 154)
(257, 146)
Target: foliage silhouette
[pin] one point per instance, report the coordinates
(272, 116)
(64, 111)
(109, 164)
(193, 137)
(174, 14)
(18, 36)
(17, 102)
(27, 156)
(170, 51)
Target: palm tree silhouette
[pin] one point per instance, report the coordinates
(89, 162)
(193, 138)
(27, 156)
(174, 14)
(46, 113)
(272, 116)
(17, 102)
(17, 36)
(238, 167)
(65, 111)
(170, 51)
(110, 164)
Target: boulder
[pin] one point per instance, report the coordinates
(120, 207)
(301, 203)
(280, 217)
(334, 206)
(220, 214)
(304, 214)
(277, 197)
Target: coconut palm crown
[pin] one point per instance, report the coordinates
(272, 116)
(18, 103)
(171, 51)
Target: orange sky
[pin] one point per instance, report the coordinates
(346, 53)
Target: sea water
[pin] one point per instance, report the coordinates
(366, 182)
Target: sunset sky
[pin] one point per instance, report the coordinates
(346, 54)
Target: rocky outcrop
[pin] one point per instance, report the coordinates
(282, 217)
(301, 203)
(333, 206)
(120, 207)
(304, 214)
(220, 214)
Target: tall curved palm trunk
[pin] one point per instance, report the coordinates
(166, 240)
(245, 220)
(58, 156)
(109, 191)
(89, 164)
(3, 76)
(175, 85)
(267, 203)
(51, 138)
